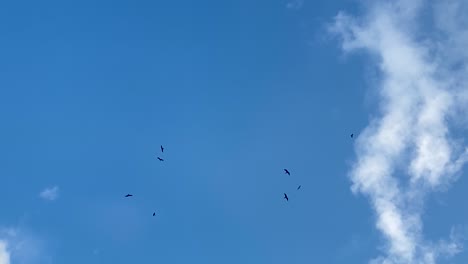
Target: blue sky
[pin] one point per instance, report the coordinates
(236, 91)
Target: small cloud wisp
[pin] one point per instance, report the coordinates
(50, 194)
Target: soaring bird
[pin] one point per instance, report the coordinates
(287, 172)
(298, 187)
(286, 197)
(154, 213)
(160, 159)
(352, 135)
(129, 195)
(162, 148)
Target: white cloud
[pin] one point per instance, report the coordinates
(420, 100)
(4, 254)
(21, 247)
(50, 193)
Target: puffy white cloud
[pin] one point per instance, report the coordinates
(419, 94)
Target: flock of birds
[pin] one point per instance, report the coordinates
(299, 187)
(160, 159)
(286, 171)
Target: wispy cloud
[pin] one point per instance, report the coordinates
(295, 4)
(50, 193)
(21, 247)
(408, 150)
(4, 254)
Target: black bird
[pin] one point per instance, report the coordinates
(160, 159)
(128, 195)
(162, 148)
(287, 172)
(154, 214)
(352, 135)
(298, 187)
(286, 197)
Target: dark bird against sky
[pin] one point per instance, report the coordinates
(287, 172)
(162, 148)
(160, 159)
(154, 213)
(128, 195)
(286, 197)
(298, 187)
(352, 135)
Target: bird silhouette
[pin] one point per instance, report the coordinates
(298, 187)
(286, 197)
(129, 195)
(154, 214)
(160, 159)
(162, 148)
(287, 172)
(352, 135)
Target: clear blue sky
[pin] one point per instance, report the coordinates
(236, 91)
